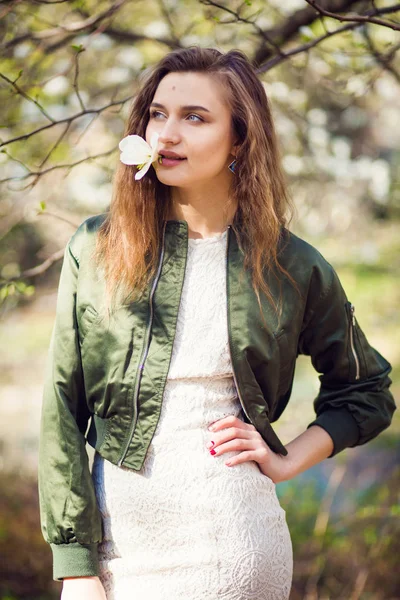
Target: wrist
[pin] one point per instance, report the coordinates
(279, 468)
(289, 468)
(286, 468)
(305, 451)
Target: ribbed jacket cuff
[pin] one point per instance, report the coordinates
(341, 426)
(74, 560)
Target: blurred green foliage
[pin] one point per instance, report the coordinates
(346, 539)
(26, 562)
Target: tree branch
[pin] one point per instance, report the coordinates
(368, 18)
(38, 174)
(25, 95)
(118, 35)
(167, 16)
(308, 45)
(49, 1)
(81, 25)
(384, 60)
(286, 31)
(76, 87)
(304, 47)
(40, 269)
(237, 18)
(9, 8)
(69, 120)
(55, 145)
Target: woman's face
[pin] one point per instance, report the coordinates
(203, 137)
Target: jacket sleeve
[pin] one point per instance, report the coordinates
(354, 403)
(70, 520)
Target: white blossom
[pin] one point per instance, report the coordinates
(136, 151)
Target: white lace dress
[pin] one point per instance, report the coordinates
(186, 526)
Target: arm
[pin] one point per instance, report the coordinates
(83, 588)
(70, 520)
(308, 449)
(354, 403)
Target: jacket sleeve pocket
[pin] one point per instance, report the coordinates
(70, 520)
(354, 403)
(89, 317)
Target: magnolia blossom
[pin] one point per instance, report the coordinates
(136, 151)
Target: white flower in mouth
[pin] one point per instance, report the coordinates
(136, 151)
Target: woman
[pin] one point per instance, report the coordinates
(180, 315)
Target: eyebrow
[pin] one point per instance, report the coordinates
(186, 107)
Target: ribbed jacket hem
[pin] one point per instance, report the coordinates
(341, 426)
(74, 560)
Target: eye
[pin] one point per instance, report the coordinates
(154, 113)
(197, 117)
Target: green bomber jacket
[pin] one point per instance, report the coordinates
(105, 375)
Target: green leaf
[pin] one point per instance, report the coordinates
(79, 48)
(20, 286)
(306, 34)
(29, 290)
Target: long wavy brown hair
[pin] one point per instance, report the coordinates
(127, 245)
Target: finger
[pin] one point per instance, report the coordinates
(230, 421)
(246, 456)
(258, 455)
(231, 433)
(240, 444)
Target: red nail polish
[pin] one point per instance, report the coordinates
(212, 451)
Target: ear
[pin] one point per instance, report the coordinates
(235, 148)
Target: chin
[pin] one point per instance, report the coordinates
(170, 179)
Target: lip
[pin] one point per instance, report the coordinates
(170, 162)
(170, 154)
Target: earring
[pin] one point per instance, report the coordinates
(232, 166)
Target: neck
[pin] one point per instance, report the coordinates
(205, 213)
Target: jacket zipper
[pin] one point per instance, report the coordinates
(352, 344)
(144, 354)
(229, 340)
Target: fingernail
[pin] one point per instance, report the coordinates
(212, 451)
(210, 444)
(211, 428)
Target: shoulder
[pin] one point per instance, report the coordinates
(293, 249)
(305, 263)
(85, 235)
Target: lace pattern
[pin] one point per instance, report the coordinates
(186, 526)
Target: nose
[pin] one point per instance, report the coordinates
(169, 133)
